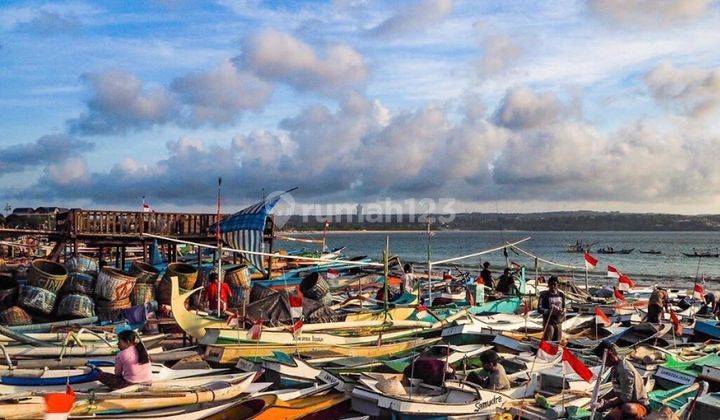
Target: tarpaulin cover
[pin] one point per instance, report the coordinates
(273, 308)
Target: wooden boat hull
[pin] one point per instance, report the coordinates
(225, 354)
(270, 407)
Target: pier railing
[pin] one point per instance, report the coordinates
(89, 223)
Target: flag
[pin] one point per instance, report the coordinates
(699, 291)
(619, 295)
(332, 273)
(590, 261)
(297, 326)
(613, 272)
(255, 332)
(547, 351)
(625, 282)
(569, 360)
(58, 404)
(676, 323)
(296, 304)
(421, 312)
(327, 223)
(601, 318)
(146, 207)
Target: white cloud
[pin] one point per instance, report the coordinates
(280, 57)
(413, 18)
(499, 53)
(693, 90)
(650, 12)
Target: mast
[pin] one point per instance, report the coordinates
(219, 248)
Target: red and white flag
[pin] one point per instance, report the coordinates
(255, 332)
(296, 304)
(572, 362)
(590, 261)
(676, 323)
(327, 223)
(601, 318)
(547, 351)
(421, 311)
(625, 282)
(332, 273)
(297, 326)
(613, 272)
(619, 295)
(146, 207)
(699, 291)
(58, 405)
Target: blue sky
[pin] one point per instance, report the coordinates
(521, 106)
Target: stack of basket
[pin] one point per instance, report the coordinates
(113, 290)
(44, 280)
(146, 277)
(239, 280)
(10, 313)
(187, 277)
(77, 298)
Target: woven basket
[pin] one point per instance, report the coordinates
(37, 299)
(110, 311)
(82, 264)
(77, 306)
(186, 274)
(81, 283)
(143, 272)
(142, 293)
(114, 285)
(15, 315)
(239, 276)
(47, 275)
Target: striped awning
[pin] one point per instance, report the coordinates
(244, 229)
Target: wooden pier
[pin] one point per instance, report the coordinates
(102, 229)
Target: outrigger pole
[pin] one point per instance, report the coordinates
(219, 248)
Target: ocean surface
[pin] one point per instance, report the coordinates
(671, 265)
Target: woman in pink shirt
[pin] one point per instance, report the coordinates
(132, 364)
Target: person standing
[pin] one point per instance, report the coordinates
(551, 305)
(407, 285)
(132, 364)
(486, 276)
(628, 399)
(212, 290)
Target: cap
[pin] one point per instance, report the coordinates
(605, 345)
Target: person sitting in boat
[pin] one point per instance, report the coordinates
(493, 375)
(657, 305)
(551, 304)
(211, 293)
(132, 364)
(506, 283)
(407, 284)
(710, 307)
(628, 399)
(486, 276)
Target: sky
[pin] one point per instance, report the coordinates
(508, 106)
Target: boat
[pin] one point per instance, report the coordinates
(701, 254)
(232, 353)
(270, 406)
(611, 250)
(675, 372)
(651, 252)
(113, 402)
(579, 248)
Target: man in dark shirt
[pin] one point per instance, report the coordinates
(486, 276)
(506, 283)
(552, 307)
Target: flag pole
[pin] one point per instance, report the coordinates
(596, 389)
(219, 245)
(429, 267)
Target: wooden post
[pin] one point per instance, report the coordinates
(75, 247)
(117, 257)
(122, 257)
(144, 250)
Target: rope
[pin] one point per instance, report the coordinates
(557, 264)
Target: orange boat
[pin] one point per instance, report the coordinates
(267, 407)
